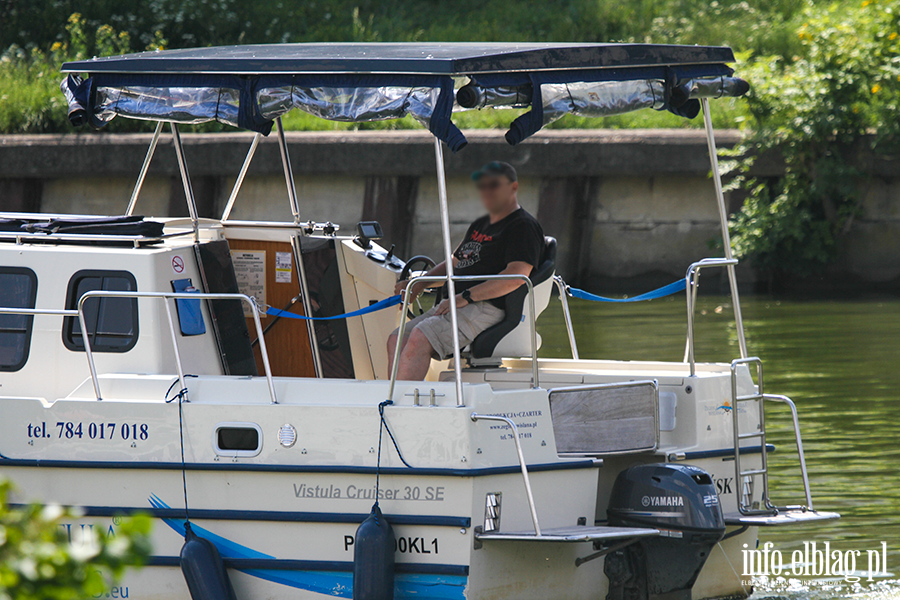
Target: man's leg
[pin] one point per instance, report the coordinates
(391, 349)
(432, 337)
(415, 357)
(408, 329)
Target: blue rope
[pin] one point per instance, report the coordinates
(666, 290)
(388, 429)
(380, 305)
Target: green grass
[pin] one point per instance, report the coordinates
(30, 101)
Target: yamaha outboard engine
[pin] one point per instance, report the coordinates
(680, 500)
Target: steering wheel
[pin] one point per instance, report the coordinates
(419, 258)
(426, 262)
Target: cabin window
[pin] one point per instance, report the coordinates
(237, 439)
(18, 289)
(112, 323)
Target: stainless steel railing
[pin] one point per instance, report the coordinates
(741, 475)
(79, 314)
(21, 237)
(166, 296)
(692, 282)
(436, 279)
(522, 464)
(564, 300)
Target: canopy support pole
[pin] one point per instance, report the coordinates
(240, 178)
(143, 174)
(723, 221)
(186, 181)
(297, 247)
(288, 172)
(448, 258)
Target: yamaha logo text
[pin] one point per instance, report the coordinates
(648, 501)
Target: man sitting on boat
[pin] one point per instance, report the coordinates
(506, 241)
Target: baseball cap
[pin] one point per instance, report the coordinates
(496, 168)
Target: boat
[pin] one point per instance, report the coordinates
(163, 365)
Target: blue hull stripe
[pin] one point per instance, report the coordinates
(268, 515)
(407, 586)
(274, 564)
(722, 452)
(330, 469)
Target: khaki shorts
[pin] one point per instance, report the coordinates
(472, 319)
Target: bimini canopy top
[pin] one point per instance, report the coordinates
(251, 86)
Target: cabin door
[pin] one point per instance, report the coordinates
(266, 267)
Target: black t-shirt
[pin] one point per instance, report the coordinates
(488, 248)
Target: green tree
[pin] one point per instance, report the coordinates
(37, 562)
(823, 112)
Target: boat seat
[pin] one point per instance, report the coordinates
(511, 337)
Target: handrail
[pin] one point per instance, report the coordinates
(436, 279)
(564, 299)
(515, 432)
(691, 280)
(137, 240)
(761, 397)
(6, 310)
(308, 227)
(174, 296)
(738, 436)
(803, 472)
(43, 216)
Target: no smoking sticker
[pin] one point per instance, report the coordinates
(178, 264)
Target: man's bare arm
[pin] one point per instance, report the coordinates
(493, 288)
(438, 270)
(498, 287)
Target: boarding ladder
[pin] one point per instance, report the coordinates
(764, 512)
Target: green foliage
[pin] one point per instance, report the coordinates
(760, 27)
(49, 35)
(822, 112)
(30, 99)
(38, 563)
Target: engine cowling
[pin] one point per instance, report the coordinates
(679, 500)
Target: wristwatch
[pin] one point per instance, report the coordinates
(467, 296)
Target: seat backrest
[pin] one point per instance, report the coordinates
(516, 319)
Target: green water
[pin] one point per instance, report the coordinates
(837, 359)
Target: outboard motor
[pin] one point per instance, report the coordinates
(203, 569)
(680, 500)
